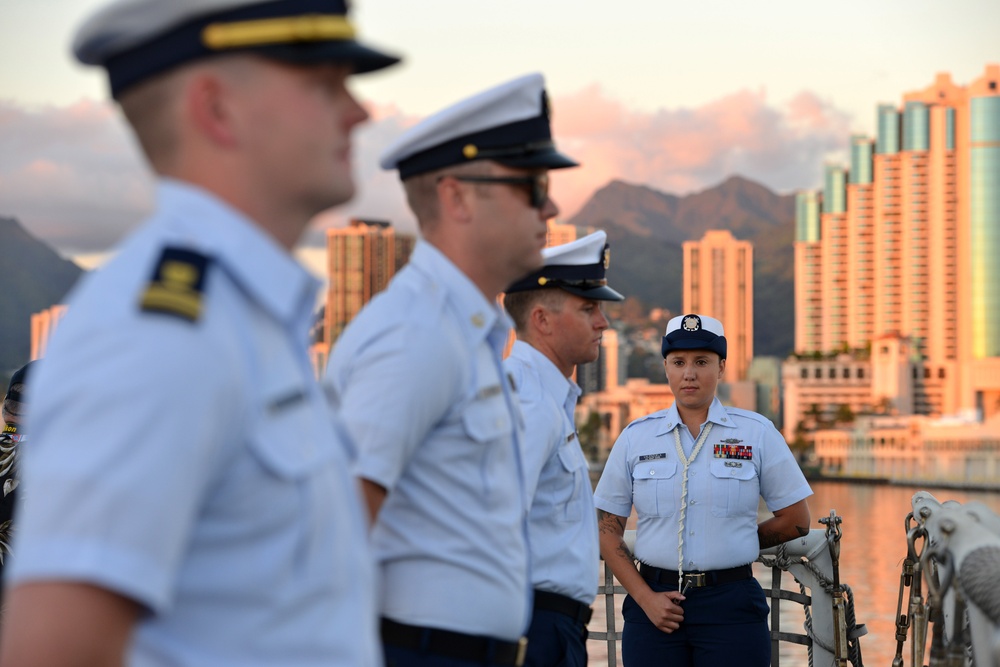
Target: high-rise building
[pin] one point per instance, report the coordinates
(718, 282)
(361, 260)
(907, 242)
(559, 234)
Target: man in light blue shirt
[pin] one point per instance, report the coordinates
(557, 312)
(186, 498)
(417, 376)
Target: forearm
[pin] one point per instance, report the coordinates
(786, 524)
(616, 554)
(61, 624)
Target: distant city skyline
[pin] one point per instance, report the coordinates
(676, 97)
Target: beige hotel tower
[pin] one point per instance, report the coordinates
(718, 282)
(902, 249)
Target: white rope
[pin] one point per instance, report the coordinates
(684, 492)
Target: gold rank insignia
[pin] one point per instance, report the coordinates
(177, 284)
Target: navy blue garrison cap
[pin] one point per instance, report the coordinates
(136, 39)
(694, 332)
(577, 267)
(508, 124)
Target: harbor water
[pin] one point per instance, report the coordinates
(872, 551)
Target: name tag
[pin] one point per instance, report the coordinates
(487, 392)
(653, 457)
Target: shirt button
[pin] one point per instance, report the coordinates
(652, 472)
(723, 419)
(692, 502)
(499, 422)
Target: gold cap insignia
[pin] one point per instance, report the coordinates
(470, 151)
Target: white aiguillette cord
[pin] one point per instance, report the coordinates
(684, 492)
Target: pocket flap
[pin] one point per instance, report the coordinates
(487, 419)
(291, 442)
(661, 469)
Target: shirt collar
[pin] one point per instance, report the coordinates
(271, 275)
(553, 381)
(478, 316)
(717, 414)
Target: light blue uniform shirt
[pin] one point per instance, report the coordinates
(720, 526)
(194, 466)
(562, 528)
(417, 375)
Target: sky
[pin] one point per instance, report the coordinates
(673, 95)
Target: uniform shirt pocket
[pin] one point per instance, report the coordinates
(654, 488)
(487, 419)
(735, 487)
(575, 467)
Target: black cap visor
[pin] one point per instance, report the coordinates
(602, 293)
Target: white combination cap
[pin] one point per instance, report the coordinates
(694, 332)
(136, 39)
(508, 124)
(578, 267)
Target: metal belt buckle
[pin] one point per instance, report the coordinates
(522, 651)
(696, 580)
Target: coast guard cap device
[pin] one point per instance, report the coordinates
(577, 267)
(137, 39)
(694, 332)
(509, 124)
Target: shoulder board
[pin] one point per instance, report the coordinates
(177, 284)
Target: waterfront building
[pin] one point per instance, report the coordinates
(900, 247)
(718, 282)
(914, 449)
(361, 260)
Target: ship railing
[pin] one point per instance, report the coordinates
(831, 633)
(954, 549)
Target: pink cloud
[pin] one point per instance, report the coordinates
(74, 176)
(685, 149)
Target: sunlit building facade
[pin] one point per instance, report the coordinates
(907, 244)
(718, 282)
(361, 260)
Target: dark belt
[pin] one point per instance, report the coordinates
(456, 645)
(696, 579)
(578, 611)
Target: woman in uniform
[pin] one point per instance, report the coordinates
(694, 474)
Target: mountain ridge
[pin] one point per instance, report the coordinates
(647, 228)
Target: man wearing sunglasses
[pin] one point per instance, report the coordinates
(419, 382)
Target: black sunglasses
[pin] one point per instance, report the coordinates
(538, 193)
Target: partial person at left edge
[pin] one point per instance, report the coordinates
(14, 406)
(198, 508)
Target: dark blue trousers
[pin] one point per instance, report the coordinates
(404, 657)
(556, 640)
(723, 625)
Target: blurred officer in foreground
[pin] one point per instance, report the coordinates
(695, 474)
(418, 379)
(559, 321)
(14, 406)
(197, 508)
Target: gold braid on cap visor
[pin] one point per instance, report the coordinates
(284, 30)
